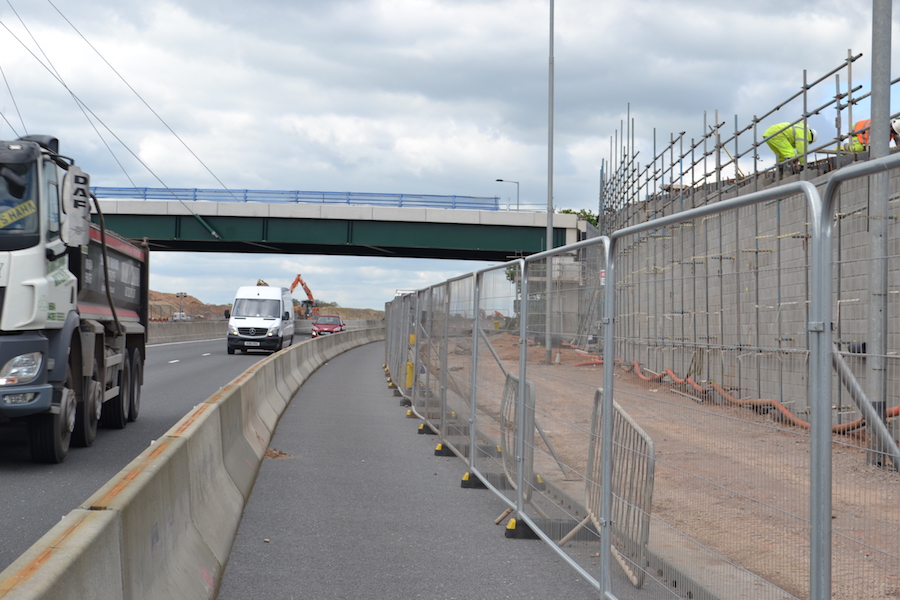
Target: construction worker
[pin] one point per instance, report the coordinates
(789, 141)
(859, 137)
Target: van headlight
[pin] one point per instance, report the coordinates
(273, 330)
(21, 369)
(232, 330)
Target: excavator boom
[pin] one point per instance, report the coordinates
(310, 304)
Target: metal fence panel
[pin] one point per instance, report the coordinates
(744, 452)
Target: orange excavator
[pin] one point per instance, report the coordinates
(310, 308)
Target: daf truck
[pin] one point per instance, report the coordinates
(73, 304)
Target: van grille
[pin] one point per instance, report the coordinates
(251, 331)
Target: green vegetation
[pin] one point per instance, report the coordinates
(584, 213)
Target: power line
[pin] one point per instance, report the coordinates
(155, 114)
(78, 103)
(9, 89)
(87, 111)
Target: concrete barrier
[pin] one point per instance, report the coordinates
(162, 332)
(163, 527)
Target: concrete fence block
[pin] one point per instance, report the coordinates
(273, 395)
(259, 414)
(286, 363)
(216, 501)
(243, 450)
(78, 558)
(318, 348)
(282, 382)
(163, 555)
(300, 358)
(332, 346)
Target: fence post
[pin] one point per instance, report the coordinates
(609, 355)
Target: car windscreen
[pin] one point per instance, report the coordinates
(329, 321)
(256, 307)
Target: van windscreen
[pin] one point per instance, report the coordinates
(256, 307)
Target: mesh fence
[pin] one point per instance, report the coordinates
(751, 449)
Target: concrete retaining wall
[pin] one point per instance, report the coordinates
(725, 298)
(163, 527)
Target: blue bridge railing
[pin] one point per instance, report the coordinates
(351, 198)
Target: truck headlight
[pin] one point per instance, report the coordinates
(21, 369)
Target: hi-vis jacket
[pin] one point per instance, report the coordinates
(789, 143)
(859, 139)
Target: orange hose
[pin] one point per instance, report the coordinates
(757, 402)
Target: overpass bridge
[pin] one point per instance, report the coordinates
(451, 227)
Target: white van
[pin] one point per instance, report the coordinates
(261, 318)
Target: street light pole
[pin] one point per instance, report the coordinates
(517, 190)
(181, 296)
(549, 260)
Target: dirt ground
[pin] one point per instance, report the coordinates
(733, 479)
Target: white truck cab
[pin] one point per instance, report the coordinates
(261, 318)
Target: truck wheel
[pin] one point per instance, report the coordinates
(117, 411)
(88, 412)
(137, 375)
(49, 435)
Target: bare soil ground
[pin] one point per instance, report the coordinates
(733, 479)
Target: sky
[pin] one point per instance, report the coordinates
(391, 96)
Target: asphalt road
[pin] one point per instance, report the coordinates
(360, 507)
(34, 497)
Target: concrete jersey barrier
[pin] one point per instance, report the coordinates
(163, 527)
(164, 332)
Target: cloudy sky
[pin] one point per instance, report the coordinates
(394, 96)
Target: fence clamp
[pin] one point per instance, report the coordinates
(816, 326)
(605, 321)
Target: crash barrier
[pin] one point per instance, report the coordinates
(162, 332)
(163, 527)
(729, 344)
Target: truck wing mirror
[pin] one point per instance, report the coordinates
(76, 190)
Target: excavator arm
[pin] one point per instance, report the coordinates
(310, 304)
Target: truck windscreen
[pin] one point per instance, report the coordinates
(19, 224)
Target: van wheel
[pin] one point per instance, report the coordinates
(231, 351)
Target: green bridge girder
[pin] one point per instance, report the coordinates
(281, 235)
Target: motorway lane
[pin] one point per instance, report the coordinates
(34, 497)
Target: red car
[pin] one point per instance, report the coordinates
(323, 325)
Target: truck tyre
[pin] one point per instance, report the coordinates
(88, 413)
(137, 376)
(116, 411)
(49, 435)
